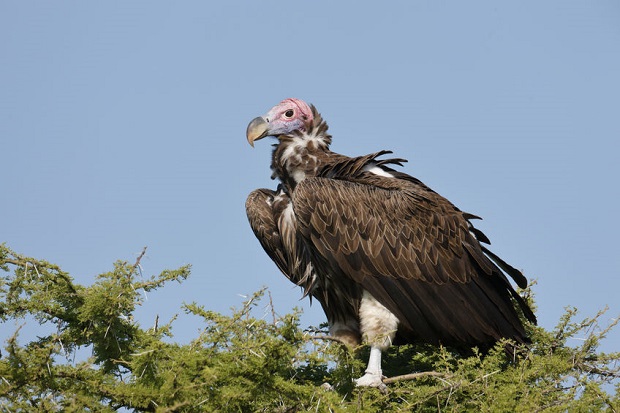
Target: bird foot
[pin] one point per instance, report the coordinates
(328, 387)
(370, 380)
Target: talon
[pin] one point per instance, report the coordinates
(370, 380)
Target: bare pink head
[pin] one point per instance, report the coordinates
(287, 116)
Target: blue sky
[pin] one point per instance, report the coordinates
(123, 125)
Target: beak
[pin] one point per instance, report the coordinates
(257, 129)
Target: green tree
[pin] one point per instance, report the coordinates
(243, 363)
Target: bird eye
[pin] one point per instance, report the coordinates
(289, 113)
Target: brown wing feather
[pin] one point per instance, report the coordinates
(279, 238)
(391, 231)
(412, 250)
(263, 222)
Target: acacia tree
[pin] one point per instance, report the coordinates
(244, 363)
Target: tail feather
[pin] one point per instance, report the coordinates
(515, 274)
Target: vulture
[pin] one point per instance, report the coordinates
(389, 260)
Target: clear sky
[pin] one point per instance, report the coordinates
(123, 125)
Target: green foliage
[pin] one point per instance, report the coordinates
(247, 363)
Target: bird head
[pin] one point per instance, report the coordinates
(287, 116)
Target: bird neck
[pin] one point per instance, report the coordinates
(301, 154)
(296, 158)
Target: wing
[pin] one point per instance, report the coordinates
(260, 212)
(273, 222)
(414, 252)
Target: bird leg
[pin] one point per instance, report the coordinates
(378, 326)
(373, 376)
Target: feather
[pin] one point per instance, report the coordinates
(516, 275)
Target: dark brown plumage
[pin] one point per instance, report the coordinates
(353, 232)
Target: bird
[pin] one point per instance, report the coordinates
(389, 260)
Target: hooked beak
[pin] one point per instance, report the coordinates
(257, 129)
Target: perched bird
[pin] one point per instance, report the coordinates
(390, 260)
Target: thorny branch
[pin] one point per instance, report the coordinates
(414, 376)
(327, 338)
(137, 263)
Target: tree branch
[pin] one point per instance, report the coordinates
(414, 376)
(327, 338)
(137, 263)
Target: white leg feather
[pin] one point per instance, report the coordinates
(378, 327)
